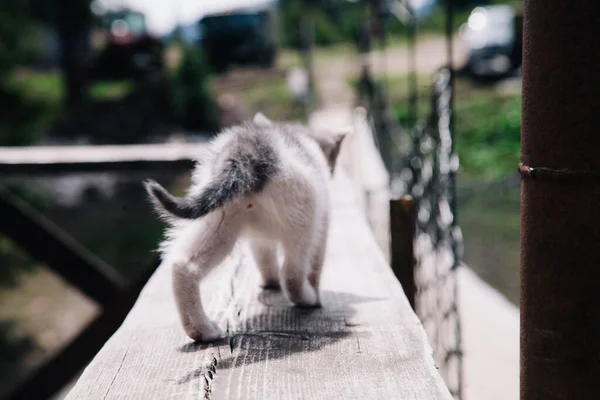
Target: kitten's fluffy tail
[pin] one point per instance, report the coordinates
(237, 179)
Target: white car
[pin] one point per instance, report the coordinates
(494, 41)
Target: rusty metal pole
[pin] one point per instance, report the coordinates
(560, 203)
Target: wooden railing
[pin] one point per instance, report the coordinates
(365, 341)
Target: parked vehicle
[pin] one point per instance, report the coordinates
(247, 36)
(130, 51)
(493, 35)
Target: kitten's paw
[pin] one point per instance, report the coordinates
(315, 304)
(306, 297)
(206, 333)
(270, 285)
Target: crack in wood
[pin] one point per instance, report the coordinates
(209, 377)
(201, 372)
(116, 374)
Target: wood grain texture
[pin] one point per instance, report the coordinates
(364, 343)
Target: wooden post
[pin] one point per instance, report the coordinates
(402, 224)
(560, 198)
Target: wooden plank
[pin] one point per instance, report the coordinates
(364, 343)
(62, 159)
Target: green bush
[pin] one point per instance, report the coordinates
(193, 102)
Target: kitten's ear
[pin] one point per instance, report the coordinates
(333, 150)
(260, 119)
(340, 135)
(338, 138)
(330, 142)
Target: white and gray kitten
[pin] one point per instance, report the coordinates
(261, 180)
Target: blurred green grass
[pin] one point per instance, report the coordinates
(487, 139)
(488, 123)
(47, 86)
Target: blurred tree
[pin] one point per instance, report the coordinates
(74, 18)
(464, 4)
(332, 21)
(193, 102)
(18, 115)
(20, 121)
(13, 25)
(17, 126)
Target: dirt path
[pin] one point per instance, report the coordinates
(332, 75)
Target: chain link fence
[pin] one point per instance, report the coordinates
(422, 164)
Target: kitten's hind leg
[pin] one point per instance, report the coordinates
(318, 259)
(265, 255)
(206, 244)
(295, 269)
(196, 324)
